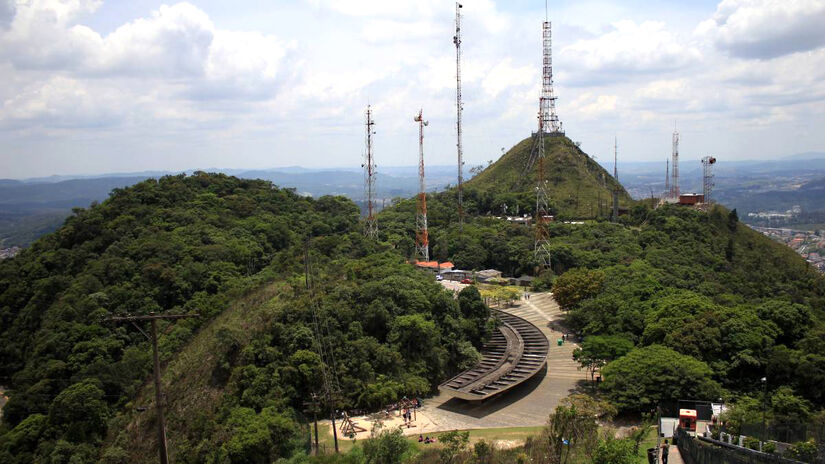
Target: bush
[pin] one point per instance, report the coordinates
(389, 447)
(804, 451)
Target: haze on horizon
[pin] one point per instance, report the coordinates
(96, 86)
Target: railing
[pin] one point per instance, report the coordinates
(704, 450)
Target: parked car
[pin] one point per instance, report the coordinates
(466, 281)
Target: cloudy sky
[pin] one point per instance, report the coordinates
(92, 86)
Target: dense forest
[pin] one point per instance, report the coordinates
(212, 244)
(672, 303)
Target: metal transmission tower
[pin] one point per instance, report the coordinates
(422, 240)
(707, 178)
(550, 121)
(667, 178)
(541, 247)
(548, 124)
(459, 108)
(674, 183)
(616, 179)
(371, 225)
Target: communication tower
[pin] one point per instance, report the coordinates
(422, 240)
(674, 183)
(707, 178)
(541, 247)
(616, 179)
(667, 178)
(371, 225)
(459, 108)
(550, 121)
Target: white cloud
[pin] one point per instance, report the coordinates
(765, 28)
(589, 106)
(504, 75)
(630, 48)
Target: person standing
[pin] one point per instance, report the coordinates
(665, 449)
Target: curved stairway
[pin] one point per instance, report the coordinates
(516, 351)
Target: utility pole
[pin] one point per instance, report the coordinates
(674, 184)
(328, 393)
(371, 225)
(616, 179)
(459, 108)
(313, 407)
(422, 240)
(153, 318)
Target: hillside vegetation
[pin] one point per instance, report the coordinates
(577, 185)
(226, 248)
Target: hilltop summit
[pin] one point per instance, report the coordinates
(576, 183)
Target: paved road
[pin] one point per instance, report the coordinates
(525, 405)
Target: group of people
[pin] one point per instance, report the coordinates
(427, 440)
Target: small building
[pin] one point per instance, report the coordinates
(434, 266)
(687, 420)
(691, 198)
(487, 274)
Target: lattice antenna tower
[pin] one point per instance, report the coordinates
(616, 179)
(541, 246)
(667, 177)
(371, 225)
(422, 239)
(550, 120)
(707, 178)
(459, 108)
(674, 171)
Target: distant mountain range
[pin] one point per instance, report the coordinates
(30, 208)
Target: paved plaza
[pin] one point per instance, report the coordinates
(528, 404)
(525, 405)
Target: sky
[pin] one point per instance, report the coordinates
(91, 86)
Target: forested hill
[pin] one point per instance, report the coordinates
(231, 250)
(576, 183)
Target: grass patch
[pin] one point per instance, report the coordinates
(514, 434)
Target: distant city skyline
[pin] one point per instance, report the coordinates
(93, 87)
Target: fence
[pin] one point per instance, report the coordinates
(708, 451)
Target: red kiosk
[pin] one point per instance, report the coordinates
(687, 420)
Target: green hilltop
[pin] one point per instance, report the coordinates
(577, 185)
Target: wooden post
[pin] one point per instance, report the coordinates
(163, 451)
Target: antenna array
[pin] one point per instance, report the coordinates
(422, 240)
(459, 108)
(371, 225)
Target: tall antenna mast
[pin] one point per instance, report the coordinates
(422, 240)
(707, 178)
(371, 225)
(674, 183)
(550, 121)
(459, 108)
(616, 179)
(541, 246)
(667, 177)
